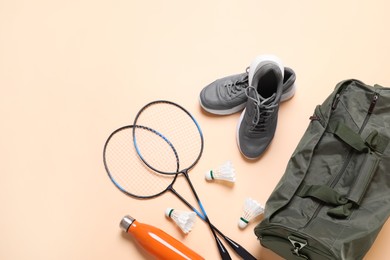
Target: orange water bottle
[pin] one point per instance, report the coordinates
(157, 242)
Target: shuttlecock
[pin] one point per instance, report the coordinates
(223, 172)
(184, 219)
(252, 209)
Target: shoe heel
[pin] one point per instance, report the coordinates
(264, 58)
(289, 94)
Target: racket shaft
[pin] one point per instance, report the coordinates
(241, 251)
(222, 250)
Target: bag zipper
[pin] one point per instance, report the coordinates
(374, 100)
(373, 103)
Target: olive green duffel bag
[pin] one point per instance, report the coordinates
(334, 196)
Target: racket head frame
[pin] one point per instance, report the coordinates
(184, 170)
(111, 176)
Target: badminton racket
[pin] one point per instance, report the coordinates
(134, 178)
(178, 126)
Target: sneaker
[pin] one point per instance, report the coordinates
(257, 123)
(226, 96)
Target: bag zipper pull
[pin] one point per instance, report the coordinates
(373, 103)
(335, 101)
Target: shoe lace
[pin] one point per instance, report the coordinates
(234, 87)
(262, 110)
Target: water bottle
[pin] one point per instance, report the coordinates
(157, 242)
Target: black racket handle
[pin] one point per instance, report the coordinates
(241, 251)
(222, 250)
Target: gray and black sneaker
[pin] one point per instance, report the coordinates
(257, 124)
(226, 96)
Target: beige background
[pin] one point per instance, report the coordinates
(71, 72)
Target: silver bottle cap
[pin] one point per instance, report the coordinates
(126, 222)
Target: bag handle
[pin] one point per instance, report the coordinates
(374, 141)
(323, 193)
(348, 136)
(344, 203)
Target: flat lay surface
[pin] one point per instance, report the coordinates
(72, 72)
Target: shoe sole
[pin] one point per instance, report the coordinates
(225, 111)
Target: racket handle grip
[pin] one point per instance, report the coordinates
(155, 241)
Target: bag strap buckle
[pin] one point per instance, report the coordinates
(298, 244)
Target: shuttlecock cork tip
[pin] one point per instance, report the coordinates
(209, 175)
(168, 212)
(242, 223)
